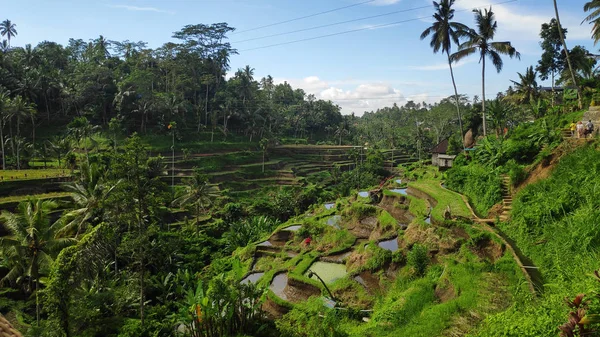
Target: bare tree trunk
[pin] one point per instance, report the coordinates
(483, 95)
(12, 137)
(462, 135)
(562, 39)
(206, 107)
(2, 145)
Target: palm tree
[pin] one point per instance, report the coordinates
(500, 112)
(60, 146)
(443, 33)
(562, 38)
(594, 18)
(88, 194)
(198, 193)
(4, 106)
(20, 109)
(340, 132)
(480, 40)
(526, 88)
(31, 244)
(80, 129)
(8, 29)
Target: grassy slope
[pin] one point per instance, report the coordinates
(33, 174)
(20, 198)
(444, 198)
(555, 223)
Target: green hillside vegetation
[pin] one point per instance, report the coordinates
(158, 192)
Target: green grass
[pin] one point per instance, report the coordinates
(20, 198)
(8, 175)
(198, 143)
(53, 163)
(444, 198)
(417, 207)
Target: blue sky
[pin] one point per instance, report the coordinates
(360, 71)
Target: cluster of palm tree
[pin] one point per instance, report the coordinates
(37, 232)
(13, 112)
(148, 88)
(8, 29)
(444, 32)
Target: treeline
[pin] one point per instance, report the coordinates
(147, 88)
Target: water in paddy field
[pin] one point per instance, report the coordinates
(391, 245)
(428, 220)
(399, 191)
(252, 278)
(329, 272)
(364, 194)
(265, 244)
(278, 285)
(292, 228)
(334, 221)
(329, 206)
(398, 181)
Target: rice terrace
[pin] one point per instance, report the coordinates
(300, 168)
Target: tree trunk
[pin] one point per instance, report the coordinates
(47, 107)
(33, 131)
(12, 137)
(263, 163)
(483, 95)
(2, 145)
(206, 107)
(18, 156)
(462, 135)
(562, 39)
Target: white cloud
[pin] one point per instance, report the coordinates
(141, 9)
(520, 23)
(355, 95)
(385, 2)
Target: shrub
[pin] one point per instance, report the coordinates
(417, 259)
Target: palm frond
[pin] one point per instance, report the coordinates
(463, 53)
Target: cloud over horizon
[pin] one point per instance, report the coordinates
(141, 9)
(362, 95)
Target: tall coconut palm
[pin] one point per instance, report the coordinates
(88, 194)
(4, 106)
(562, 38)
(593, 18)
(198, 193)
(444, 32)
(526, 88)
(32, 244)
(480, 41)
(20, 109)
(8, 29)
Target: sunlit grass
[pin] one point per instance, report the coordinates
(19, 198)
(11, 175)
(444, 198)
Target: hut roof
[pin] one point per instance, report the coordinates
(442, 147)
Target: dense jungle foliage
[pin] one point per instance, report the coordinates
(141, 188)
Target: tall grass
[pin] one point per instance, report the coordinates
(556, 223)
